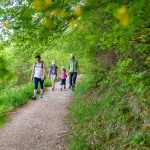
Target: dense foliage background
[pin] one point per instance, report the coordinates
(110, 38)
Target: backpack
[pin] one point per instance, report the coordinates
(42, 64)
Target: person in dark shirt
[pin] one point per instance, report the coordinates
(53, 74)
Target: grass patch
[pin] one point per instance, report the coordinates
(105, 118)
(13, 98)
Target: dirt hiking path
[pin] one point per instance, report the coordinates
(39, 125)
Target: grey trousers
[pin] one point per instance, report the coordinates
(72, 78)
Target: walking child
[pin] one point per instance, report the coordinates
(63, 77)
(53, 74)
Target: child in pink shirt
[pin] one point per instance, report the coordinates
(63, 76)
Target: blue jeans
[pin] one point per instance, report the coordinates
(36, 81)
(63, 82)
(72, 78)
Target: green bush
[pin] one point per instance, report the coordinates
(84, 115)
(47, 82)
(2, 114)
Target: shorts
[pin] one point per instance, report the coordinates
(36, 81)
(53, 77)
(63, 82)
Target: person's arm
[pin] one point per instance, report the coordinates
(68, 65)
(60, 75)
(68, 68)
(50, 71)
(44, 71)
(56, 70)
(32, 74)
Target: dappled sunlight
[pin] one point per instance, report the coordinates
(38, 4)
(64, 14)
(41, 4)
(122, 15)
(47, 22)
(47, 3)
(73, 24)
(54, 12)
(7, 25)
(78, 11)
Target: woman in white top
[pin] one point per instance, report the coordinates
(38, 72)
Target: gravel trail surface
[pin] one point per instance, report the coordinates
(39, 125)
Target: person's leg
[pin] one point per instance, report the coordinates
(70, 79)
(35, 88)
(64, 83)
(61, 83)
(35, 92)
(41, 86)
(74, 79)
(52, 80)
